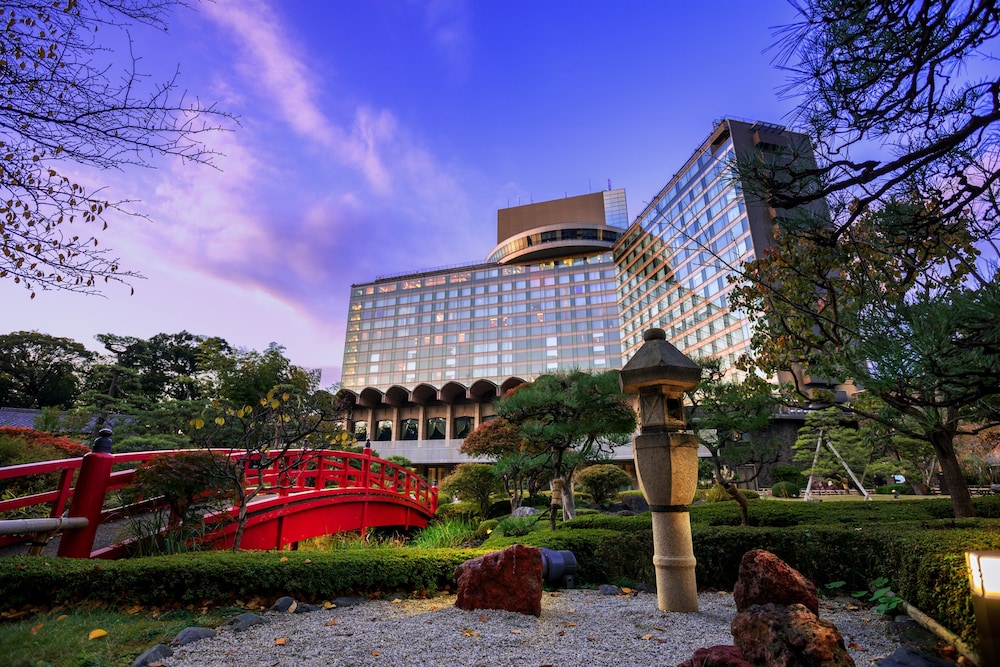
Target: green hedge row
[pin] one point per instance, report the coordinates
(222, 576)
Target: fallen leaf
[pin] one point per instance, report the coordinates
(134, 609)
(646, 638)
(561, 633)
(567, 624)
(280, 641)
(62, 617)
(434, 607)
(332, 621)
(97, 634)
(284, 559)
(292, 607)
(515, 632)
(329, 605)
(591, 639)
(554, 595)
(656, 627)
(307, 560)
(376, 653)
(571, 611)
(856, 647)
(627, 590)
(36, 628)
(469, 632)
(397, 601)
(483, 618)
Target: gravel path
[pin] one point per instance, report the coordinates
(577, 627)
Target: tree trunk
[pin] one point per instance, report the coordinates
(568, 499)
(737, 494)
(554, 505)
(951, 472)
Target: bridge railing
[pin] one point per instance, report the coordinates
(84, 484)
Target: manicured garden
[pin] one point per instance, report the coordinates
(915, 544)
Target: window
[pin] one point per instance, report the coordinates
(383, 431)
(462, 426)
(409, 428)
(435, 428)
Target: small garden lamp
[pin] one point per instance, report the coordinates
(984, 578)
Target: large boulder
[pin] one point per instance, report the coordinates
(717, 656)
(510, 579)
(773, 635)
(764, 578)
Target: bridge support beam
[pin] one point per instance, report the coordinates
(88, 498)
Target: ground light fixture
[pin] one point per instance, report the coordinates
(984, 579)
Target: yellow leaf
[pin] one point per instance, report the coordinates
(97, 634)
(36, 628)
(62, 617)
(329, 605)
(284, 559)
(198, 423)
(376, 653)
(263, 401)
(280, 641)
(240, 413)
(626, 590)
(219, 421)
(275, 404)
(646, 637)
(284, 396)
(332, 621)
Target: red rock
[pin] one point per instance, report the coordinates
(788, 636)
(510, 579)
(764, 578)
(717, 656)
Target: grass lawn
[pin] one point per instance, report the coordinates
(60, 637)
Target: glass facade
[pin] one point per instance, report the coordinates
(484, 321)
(676, 258)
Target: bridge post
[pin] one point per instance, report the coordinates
(366, 473)
(88, 498)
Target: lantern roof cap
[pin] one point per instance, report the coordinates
(658, 363)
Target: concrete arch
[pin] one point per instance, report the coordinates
(423, 394)
(483, 390)
(397, 396)
(511, 383)
(370, 397)
(453, 392)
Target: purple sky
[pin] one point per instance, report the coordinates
(380, 137)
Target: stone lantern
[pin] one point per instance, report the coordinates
(666, 462)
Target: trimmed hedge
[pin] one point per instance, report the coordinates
(222, 576)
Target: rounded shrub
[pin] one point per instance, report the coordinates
(785, 490)
(603, 480)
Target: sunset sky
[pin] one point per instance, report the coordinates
(381, 136)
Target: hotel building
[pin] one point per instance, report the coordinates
(570, 284)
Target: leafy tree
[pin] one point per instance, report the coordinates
(474, 482)
(38, 370)
(833, 427)
(603, 480)
(570, 417)
(877, 272)
(66, 103)
(521, 469)
(262, 435)
(728, 417)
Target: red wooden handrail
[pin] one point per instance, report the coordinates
(327, 473)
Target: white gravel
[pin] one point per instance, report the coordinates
(576, 627)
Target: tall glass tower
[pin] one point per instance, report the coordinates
(675, 260)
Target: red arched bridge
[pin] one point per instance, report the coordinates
(302, 494)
